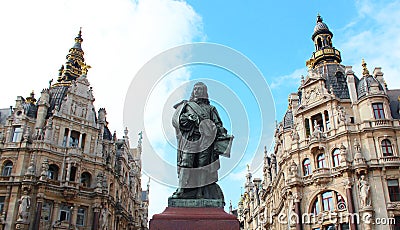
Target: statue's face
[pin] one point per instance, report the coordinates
(198, 91)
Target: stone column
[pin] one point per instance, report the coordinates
(39, 205)
(68, 136)
(96, 218)
(74, 215)
(80, 141)
(324, 121)
(56, 210)
(297, 208)
(350, 203)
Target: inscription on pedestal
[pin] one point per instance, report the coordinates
(190, 203)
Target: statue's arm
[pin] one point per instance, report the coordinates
(221, 131)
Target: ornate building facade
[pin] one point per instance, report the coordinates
(336, 158)
(61, 167)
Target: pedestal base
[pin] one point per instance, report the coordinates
(174, 218)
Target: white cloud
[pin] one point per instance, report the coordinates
(375, 36)
(119, 37)
(292, 79)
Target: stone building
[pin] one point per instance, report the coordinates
(335, 163)
(61, 167)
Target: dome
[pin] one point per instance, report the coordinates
(320, 28)
(364, 85)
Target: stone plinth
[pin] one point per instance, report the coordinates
(204, 218)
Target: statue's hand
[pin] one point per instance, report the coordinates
(193, 117)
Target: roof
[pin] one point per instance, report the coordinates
(336, 80)
(4, 113)
(288, 120)
(364, 84)
(394, 98)
(57, 94)
(320, 28)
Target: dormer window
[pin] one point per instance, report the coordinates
(378, 111)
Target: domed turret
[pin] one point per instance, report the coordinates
(324, 50)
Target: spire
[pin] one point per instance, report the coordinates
(365, 70)
(75, 65)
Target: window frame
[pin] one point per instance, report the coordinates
(386, 146)
(17, 134)
(321, 162)
(378, 109)
(393, 190)
(307, 169)
(81, 216)
(336, 157)
(7, 169)
(64, 209)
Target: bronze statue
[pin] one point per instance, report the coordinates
(201, 139)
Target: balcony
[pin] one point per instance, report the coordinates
(381, 123)
(321, 175)
(390, 161)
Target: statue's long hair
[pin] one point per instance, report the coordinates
(204, 97)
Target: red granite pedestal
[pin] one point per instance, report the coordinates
(177, 218)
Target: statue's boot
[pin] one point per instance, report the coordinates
(178, 193)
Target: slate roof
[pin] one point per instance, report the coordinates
(394, 97)
(4, 113)
(57, 94)
(320, 28)
(337, 79)
(364, 84)
(288, 120)
(30, 110)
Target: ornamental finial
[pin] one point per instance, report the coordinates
(365, 70)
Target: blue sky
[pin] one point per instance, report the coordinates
(121, 36)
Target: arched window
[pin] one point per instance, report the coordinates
(321, 161)
(319, 43)
(315, 207)
(328, 201)
(387, 148)
(7, 168)
(307, 167)
(336, 157)
(52, 173)
(85, 179)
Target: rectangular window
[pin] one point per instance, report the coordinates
(378, 111)
(74, 139)
(46, 211)
(80, 221)
(393, 188)
(64, 144)
(64, 213)
(2, 199)
(17, 134)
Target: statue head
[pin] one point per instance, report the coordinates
(199, 92)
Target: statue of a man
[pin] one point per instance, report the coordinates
(199, 129)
